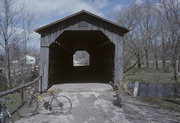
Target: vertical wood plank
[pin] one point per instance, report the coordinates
(118, 60)
(22, 95)
(44, 68)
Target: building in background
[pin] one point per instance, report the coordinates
(30, 59)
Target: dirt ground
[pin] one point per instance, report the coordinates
(93, 103)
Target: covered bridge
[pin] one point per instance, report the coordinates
(82, 31)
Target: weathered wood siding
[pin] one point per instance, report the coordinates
(44, 67)
(83, 24)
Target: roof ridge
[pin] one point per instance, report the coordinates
(77, 13)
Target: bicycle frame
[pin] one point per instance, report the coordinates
(41, 99)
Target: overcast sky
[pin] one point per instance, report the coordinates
(47, 11)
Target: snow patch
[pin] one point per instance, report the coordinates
(108, 106)
(101, 103)
(118, 116)
(89, 94)
(91, 119)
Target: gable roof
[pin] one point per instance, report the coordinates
(79, 13)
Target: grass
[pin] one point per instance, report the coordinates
(150, 76)
(165, 103)
(15, 102)
(173, 100)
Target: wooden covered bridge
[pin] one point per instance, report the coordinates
(82, 31)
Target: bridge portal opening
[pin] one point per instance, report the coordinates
(81, 58)
(93, 47)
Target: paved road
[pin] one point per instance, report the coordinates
(93, 103)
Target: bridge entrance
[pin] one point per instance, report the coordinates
(99, 53)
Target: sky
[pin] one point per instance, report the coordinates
(48, 11)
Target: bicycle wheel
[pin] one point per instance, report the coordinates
(61, 104)
(118, 100)
(8, 117)
(28, 108)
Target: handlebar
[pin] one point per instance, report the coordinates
(32, 91)
(115, 87)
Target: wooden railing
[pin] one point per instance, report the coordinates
(20, 88)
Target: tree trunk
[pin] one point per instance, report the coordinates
(156, 61)
(6, 41)
(139, 64)
(175, 71)
(163, 56)
(175, 78)
(163, 64)
(138, 56)
(147, 59)
(174, 63)
(7, 65)
(178, 67)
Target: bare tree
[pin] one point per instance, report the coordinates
(156, 28)
(172, 15)
(164, 36)
(7, 30)
(13, 29)
(131, 18)
(149, 29)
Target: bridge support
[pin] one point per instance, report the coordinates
(118, 61)
(44, 68)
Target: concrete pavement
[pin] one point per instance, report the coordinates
(93, 103)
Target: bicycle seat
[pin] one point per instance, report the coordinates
(51, 91)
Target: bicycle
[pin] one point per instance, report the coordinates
(117, 94)
(56, 104)
(5, 115)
